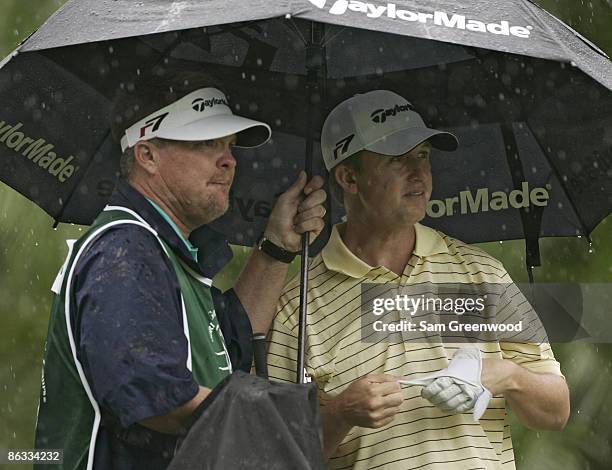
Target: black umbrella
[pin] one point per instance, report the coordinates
(528, 97)
(241, 406)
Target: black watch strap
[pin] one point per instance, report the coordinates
(275, 251)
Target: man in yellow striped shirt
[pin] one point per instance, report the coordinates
(377, 148)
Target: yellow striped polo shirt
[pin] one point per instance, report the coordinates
(421, 436)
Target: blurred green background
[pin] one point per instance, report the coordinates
(31, 252)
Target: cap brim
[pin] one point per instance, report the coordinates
(404, 140)
(249, 133)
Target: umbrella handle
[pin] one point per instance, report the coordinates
(300, 378)
(259, 355)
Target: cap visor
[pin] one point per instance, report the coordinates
(404, 140)
(250, 133)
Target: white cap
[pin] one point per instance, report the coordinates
(379, 121)
(203, 114)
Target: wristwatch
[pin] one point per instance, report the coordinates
(275, 251)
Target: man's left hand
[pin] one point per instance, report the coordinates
(298, 210)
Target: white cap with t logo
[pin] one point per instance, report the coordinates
(379, 121)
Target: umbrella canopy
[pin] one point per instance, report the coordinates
(507, 77)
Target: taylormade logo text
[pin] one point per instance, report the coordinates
(481, 200)
(38, 151)
(437, 18)
(380, 115)
(200, 104)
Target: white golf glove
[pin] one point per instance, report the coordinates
(457, 388)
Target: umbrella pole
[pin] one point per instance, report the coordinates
(314, 62)
(531, 220)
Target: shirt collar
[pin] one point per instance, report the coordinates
(337, 256)
(193, 251)
(429, 242)
(214, 251)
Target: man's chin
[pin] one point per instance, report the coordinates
(212, 212)
(411, 218)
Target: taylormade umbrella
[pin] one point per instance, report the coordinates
(527, 96)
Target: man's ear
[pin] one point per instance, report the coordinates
(346, 178)
(146, 156)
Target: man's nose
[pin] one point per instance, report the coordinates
(415, 169)
(227, 160)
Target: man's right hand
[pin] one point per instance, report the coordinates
(371, 401)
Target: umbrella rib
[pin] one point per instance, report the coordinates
(327, 40)
(297, 31)
(478, 53)
(563, 187)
